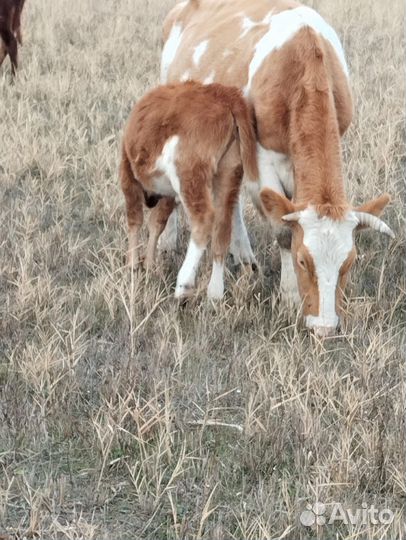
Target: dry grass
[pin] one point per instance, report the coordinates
(110, 395)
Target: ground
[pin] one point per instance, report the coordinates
(126, 416)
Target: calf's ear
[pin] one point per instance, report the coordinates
(276, 206)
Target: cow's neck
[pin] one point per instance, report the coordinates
(315, 149)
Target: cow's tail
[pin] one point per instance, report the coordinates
(244, 119)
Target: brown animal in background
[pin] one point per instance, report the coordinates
(10, 30)
(189, 142)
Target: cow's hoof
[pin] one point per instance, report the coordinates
(215, 292)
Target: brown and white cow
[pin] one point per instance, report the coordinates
(291, 66)
(190, 142)
(10, 30)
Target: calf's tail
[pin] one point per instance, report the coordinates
(244, 119)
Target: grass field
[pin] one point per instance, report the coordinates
(123, 416)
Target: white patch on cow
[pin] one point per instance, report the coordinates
(282, 167)
(247, 25)
(169, 51)
(329, 242)
(288, 285)
(187, 274)
(215, 290)
(282, 27)
(199, 51)
(275, 172)
(240, 247)
(268, 174)
(210, 78)
(185, 76)
(168, 182)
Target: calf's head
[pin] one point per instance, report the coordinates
(323, 251)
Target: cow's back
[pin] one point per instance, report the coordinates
(216, 39)
(239, 43)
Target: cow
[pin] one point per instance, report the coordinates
(190, 142)
(291, 67)
(10, 31)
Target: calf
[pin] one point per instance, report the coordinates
(189, 142)
(10, 30)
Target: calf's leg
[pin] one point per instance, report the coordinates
(169, 238)
(227, 190)
(157, 221)
(134, 198)
(196, 197)
(240, 243)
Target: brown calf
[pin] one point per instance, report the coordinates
(189, 142)
(10, 30)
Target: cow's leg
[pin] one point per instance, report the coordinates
(240, 247)
(157, 221)
(196, 197)
(288, 285)
(19, 35)
(17, 25)
(10, 44)
(168, 240)
(227, 189)
(268, 171)
(3, 48)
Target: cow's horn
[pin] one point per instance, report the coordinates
(374, 222)
(294, 216)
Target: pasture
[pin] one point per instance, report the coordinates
(126, 416)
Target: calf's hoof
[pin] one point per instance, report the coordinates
(183, 292)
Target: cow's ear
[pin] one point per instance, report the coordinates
(376, 206)
(276, 206)
(367, 215)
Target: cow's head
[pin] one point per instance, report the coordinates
(323, 251)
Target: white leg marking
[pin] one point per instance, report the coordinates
(187, 274)
(288, 286)
(240, 247)
(215, 290)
